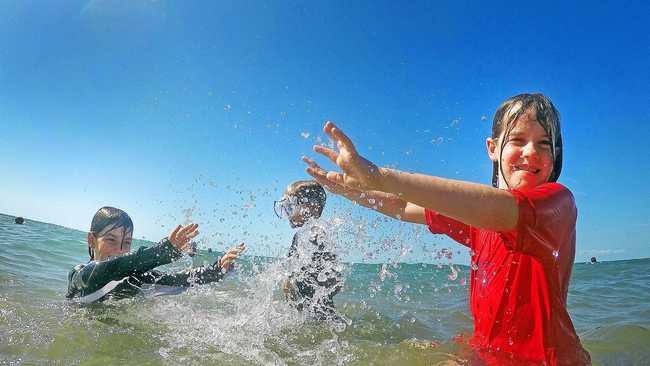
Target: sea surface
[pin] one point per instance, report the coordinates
(389, 313)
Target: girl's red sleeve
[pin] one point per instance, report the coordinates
(547, 220)
(440, 224)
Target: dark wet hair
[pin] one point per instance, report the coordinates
(19, 220)
(545, 114)
(107, 219)
(310, 192)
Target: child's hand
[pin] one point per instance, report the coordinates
(320, 175)
(181, 236)
(358, 173)
(228, 259)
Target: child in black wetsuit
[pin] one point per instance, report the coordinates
(315, 274)
(115, 272)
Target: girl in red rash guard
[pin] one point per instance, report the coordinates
(521, 231)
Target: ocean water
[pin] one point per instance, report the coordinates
(388, 312)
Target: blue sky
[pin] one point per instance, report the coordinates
(201, 110)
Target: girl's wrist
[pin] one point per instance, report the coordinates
(383, 180)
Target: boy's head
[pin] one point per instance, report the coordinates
(526, 142)
(111, 232)
(301, 201)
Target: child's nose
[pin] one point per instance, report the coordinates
(530, 150)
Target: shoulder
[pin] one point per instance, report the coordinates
(553, 193)
(76, 270)
(549, 202)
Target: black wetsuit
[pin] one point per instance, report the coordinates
(125, 275)
(318, 280)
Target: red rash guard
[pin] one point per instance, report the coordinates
(520, 280)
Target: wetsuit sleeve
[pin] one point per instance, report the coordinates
(294, 246)
(94, 275)
(547, 219)
(440, 224)
(200, 275)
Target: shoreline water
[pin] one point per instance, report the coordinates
(389, 309)
(271, 258)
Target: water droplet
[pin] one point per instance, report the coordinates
(322, 277)
(305, 135)
(454, 273)
(556, 254)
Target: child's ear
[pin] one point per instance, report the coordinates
(491, 146)
(91, 245)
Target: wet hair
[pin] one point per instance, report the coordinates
(19, 220)
(546, 115)
(310, 192)
(107, 219)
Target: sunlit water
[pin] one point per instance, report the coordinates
(386, 312)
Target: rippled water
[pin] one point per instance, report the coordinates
(389, 311)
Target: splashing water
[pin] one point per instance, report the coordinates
(248, 318)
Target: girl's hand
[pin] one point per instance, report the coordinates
(320, 175)
(358, 173)
(228, 259)
(181, 236)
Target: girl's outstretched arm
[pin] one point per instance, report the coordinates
(202, 275)
(473, 204)
(388, 204)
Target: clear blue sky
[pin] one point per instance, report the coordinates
(202, 109)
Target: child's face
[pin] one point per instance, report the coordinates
(526, 159)
(111, 243)
(292, 209)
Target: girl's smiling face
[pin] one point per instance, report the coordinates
(111, 243)
(525, 157)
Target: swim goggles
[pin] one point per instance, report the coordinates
(286, 207)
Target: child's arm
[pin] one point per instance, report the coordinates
(203, 275)
(473, 204)
(388, 204)
(96, 274)
(393, 206)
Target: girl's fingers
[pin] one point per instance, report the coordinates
(336, 178)
(318, 175)
(193, 234)
(188, 229)
(311, 163)
(182, 231)
(174, 233)
(321, 178)
(337, 135)
(327, 152)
